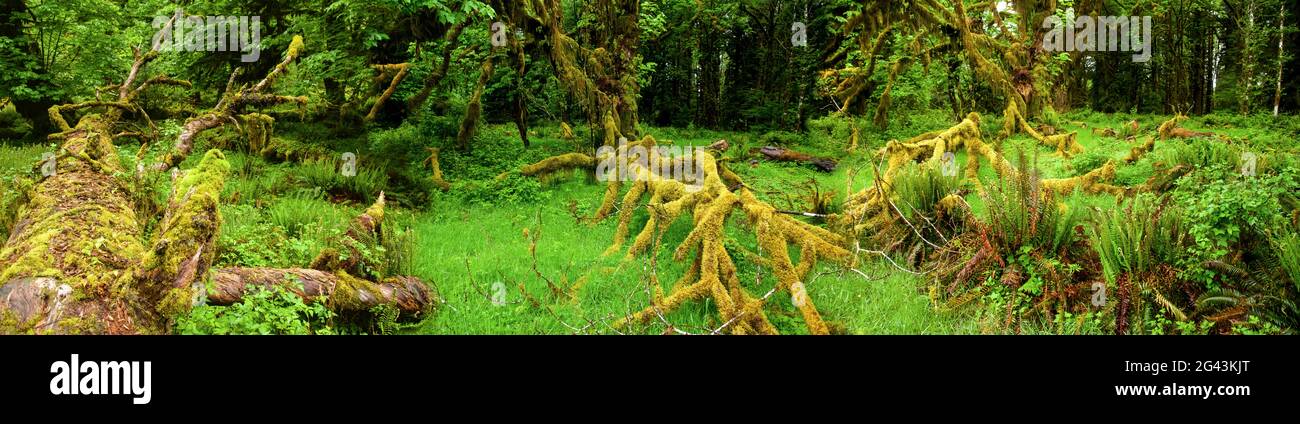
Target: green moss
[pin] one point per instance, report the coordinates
(176, 302)
(78, 325)
(10, 323)
(190, 229)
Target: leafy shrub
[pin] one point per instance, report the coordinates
(513, 189)
(12, 125)
(1086, 162)
(276, 311)
(398, 146)
(1135, 174)
(1223, 211)
(245, 240)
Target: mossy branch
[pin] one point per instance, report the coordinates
(232, 104)
(401, 70)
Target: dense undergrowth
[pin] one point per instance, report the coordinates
(1192, 245)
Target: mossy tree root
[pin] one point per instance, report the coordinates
(1066, 145)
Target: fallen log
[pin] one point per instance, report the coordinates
(343, 293)
(787, 155)
(1173, 129)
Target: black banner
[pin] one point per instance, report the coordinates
(313, 375)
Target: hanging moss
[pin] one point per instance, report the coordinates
(258, 128)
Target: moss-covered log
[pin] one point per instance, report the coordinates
(344, 293)
(561, 163)
(786, 155)
(76, 260)
(66, 265)
(73, 258)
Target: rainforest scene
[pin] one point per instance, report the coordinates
(650, 167)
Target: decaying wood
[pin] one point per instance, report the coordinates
(345, 294)
(786, 155)
(76, 261)
(339, 277)
(1172, 129)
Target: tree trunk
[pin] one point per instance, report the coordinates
(453, 41)
(521, 95)
(710, 79)
(1281, 56)
(473, 112)
(602, 78)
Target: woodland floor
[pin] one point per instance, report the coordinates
(276, 215)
